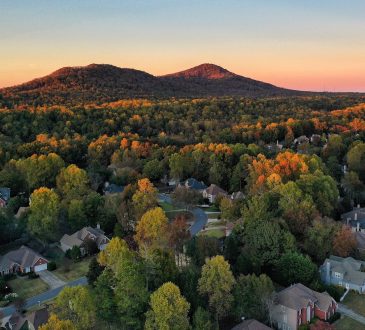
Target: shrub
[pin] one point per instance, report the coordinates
(51, 266)
(32, 275)
(334, 317)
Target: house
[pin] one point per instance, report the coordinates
(212, 192)
(111, 188)
(251, 325)
(79, 238)
(301, 140)
(297, 305)
(346, 272)
(239, 195)
(23, 260)
(355, 219)
(275, 147)
(194, 184)
(4, 196)
(32, 321)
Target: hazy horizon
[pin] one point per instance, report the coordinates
(305, 46)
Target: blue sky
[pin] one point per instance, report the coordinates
(299, 44)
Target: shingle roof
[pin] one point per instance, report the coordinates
(78, 237)
(351, 215)
(214, 190)
(298, 296)
(5, 193)
(24, 256)
(113, 189)
(251, 325)
(349, 267)
(194, 184)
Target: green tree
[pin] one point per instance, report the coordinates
(153, 169)
(217, 282)
(169, 309)
(294, 267)
(77, 305)
(356, 160)
(353, 186)
(95, 270)
(43, 218)
(72, 182)
(252, 297)
(201, 320)
(76, 214)
(318, 238)
(323, 190)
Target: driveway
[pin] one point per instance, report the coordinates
(350, 313)
(200, 222)
(51, 279)
(41, 298)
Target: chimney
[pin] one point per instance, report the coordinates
(358, 206)
(348, 221)
(358, 226)
(98, 226)
(328, 272)
(355, 217)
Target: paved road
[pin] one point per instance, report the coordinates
(200, 218)
(43, 296)
(350, 313)
(51, 279)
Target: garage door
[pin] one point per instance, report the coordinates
(39, 268)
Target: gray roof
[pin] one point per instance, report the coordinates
(298, 296)
(349, 267)
(5, 193)
(24, 257)
(113, 189)
(214, 190)
(76, 239)
(194, 184)
(360, 212)
(251, 325)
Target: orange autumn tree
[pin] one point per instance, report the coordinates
(344, 242)
(264, 173)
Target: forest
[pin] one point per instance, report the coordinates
(299, 162)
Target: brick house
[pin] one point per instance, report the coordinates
(84, 234)
(297, 305)
(23, 260)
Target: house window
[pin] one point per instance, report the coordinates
(338, 275)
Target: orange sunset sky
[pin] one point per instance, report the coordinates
(308, 45)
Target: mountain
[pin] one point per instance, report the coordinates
(98, 83)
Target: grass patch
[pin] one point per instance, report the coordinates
(345, 323)
(172, 215)
(217, 233)
(27, 288)
(213, 215)
(70, 271)
(211, 208)
(216, 223)
(356, 302)
(166, 206)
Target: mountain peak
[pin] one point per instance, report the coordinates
(205, 70)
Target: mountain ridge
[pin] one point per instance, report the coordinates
(106, 83)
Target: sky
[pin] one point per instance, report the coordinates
(309, 45)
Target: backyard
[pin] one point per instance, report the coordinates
(68, 270)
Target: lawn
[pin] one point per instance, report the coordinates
(356, 302)
(172, 215)
(213, 215)
(345, 323)
(69, 271)
(166, 206)
(218, 233)
(26, 287)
